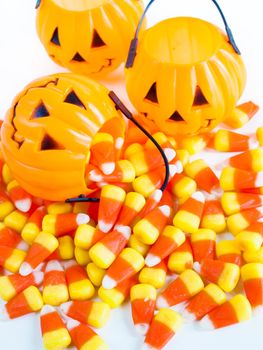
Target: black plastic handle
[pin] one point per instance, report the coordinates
(134, 43)
(38, 4)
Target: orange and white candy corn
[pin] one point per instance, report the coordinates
(61, 224)
(240, 221)
(111, 201)
(34, 225)
(124, 172)
(234, 311)
(189, 215)
(203, 175)
(93, 313)
(87, 235)
(79, 286)
(252, 278)
(151, 203)
(84, 337)
(203, 244)
(143, 300)
(116, 296)
(132, 206)
(225, 275)
(26, 302)
(229, 251)
(104, 252)
(21, 199)
(148, 229)
(242, 114)
(251, 160)
(102, 152)
(43, 246)
(170, 239)
(54, 332)
(6, 206)
(233, 203)
(182, 258)
(204, 302)
(233, 179)
(11, 258)
(229, 141)
(127, 264)
(10, 238)
(116, 127)
(183, 288)
(213, 217)
(162, 329)
(12, 285)
(155, 276)
(55, 290)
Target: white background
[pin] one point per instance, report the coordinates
(22, 59)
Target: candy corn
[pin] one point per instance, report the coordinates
(86, 236)
(189, 215)
(133, 204)
(143, 299)
(61, 224)
(225, 275)
(10, 238)
(136, 244)
(232, 179)
(229, 141)
(11, 258)
(56, 208)
(154, 276)
(233, 203)
(43, 246)
(26, 302)
(65, 250)
(165, 324)
(151, 203)
(81, 256)
(229, 251)
(16, 220)
(21, 199)
(240, 221)
(203, 244)
(183, 186)
(93, 313)
(6, 206)
(204, 302)
(124, 173)
(249, 241)
(181, 289)
(253, 256)
(148, 229)
(34, 225)
(170, 239)
(95, 274)
(252, 277)
(182, 258)
(103, 152)
(251, 160)
(55, 289)
(242, 114)
(12, 285)
(213, 217)
(79, 286)
(84, 337)
(54, 332)
(112, 199)
(231, 312)
(127, 264)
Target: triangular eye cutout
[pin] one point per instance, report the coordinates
(176, 117)
(74, 100)
(40, 112)
(55, 38)
(48, 144)
(199, 97)
(152, 94)
(97, 41)
(78, 58)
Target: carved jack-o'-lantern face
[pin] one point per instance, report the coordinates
(186, 77)
(46, 135)
(88, 36)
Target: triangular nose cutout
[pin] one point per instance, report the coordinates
(48, 144)
(152, 94)
(176, 117)
(55, 38)
(78, 58)
(97, 41)
(199, 98)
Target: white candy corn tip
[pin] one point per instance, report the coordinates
(206, 324)
(170, 153)
(108, 282)
(197, 267)
(199, 196)
(124, 230)
(104, 227)
(68, 264)
(38, 277)
(4, 315)
(173, 170)
(152, 260)
(148, 347)
(119, 142)
(47, 309)
(23, 204)
(25, 269)
(157, 195)
(258, 310)
(65, 307)
(108, 168)
(94, 176)
(188, 316)
(166, 210)
(82, 219)
(22, 246)
(179, 167)
(53, 265)
(71, 324)
(161, 303)
(259, 179)
(142, 328)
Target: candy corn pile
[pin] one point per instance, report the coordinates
(55, 257)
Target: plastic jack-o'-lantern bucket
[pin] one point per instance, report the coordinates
(88, 36)
(185, 74)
